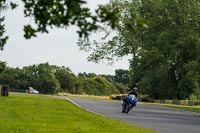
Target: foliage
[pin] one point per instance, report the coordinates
(121, 88)
(37, 76)
(110, 78)
(14, 78)
(163, 39)
(2, 66)
(169, 45)
(106, 85)
(62, 14)
(122, 76)
(50, 14)
(59, 14)
(47, 15)
(51, 79)
(192, 77)
(43, 78)
(66, 79)
(112, 44)
(86, 75)
(3, 37)
(98, 86)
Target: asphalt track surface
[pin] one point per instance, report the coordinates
(159, 118)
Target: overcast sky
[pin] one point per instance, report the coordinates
(58, 47)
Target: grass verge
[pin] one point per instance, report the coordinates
(187, 108)
(181, 107)
(25, 113)
(93, 97)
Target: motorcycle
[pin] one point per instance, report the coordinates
(128, 103)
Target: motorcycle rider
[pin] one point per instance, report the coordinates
(133, 91)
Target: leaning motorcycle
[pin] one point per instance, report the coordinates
(129, 102)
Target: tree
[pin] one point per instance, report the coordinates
(7, 77)
(110, 78)
(15, 78)
(169, 43)
(121, 88)
(192, 78)
(66, 79)
(2, 66)
(122, 76)
(49, 14)
(107, 88)
(98, 86)
(42, 78)
(162, 37)
(86, 75)
(3, 37)
(112, 45)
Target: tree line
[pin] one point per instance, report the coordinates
(49, 79)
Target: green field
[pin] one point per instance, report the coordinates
(25, 113)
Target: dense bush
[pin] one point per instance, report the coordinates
(121, 88)
(98, 86)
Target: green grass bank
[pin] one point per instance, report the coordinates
(25, 113)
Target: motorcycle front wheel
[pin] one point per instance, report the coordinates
(123, 109)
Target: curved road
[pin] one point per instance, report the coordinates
(158, 118)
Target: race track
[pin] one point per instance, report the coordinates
(158, 118)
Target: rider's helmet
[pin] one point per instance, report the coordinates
(135, 88)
